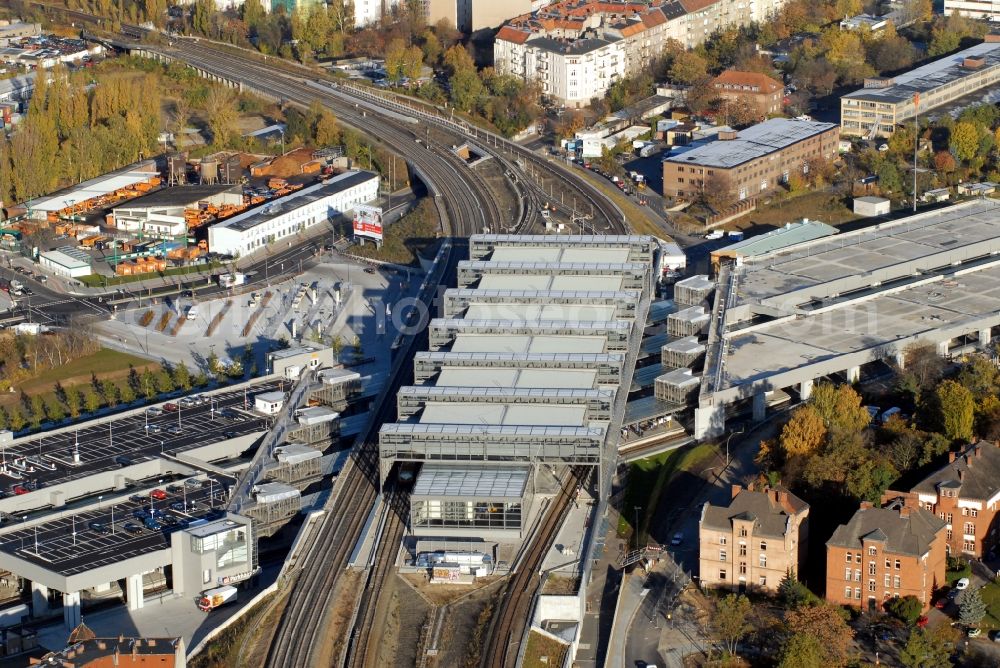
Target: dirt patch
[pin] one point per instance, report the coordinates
(338, 618)
(387, 642)
(258, 638)
(442, 594)
(543, 651)
(464, 626)
(560, 585)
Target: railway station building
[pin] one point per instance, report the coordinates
(521, 381)
(839, 305)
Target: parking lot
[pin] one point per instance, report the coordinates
(49, 460)
(75, 544)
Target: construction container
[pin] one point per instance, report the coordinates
(275, 183)
(313, 167)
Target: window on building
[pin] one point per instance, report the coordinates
(871, 585)
(948, 535)
(847, 573)
(763, 546)
(871, 568)
(722, 555)
(896, 581)
(849, 557)
(847, 592)
(206, 576)
(857, 593)
(762, 580)
(973, 512)
(948, 518)
(743, 549)
(872, 551)
(722, 575)
(970, 529)
(762, 558)
(888, 564)
(722, 540)
(743, 568)
(897, 564)
(968, 546)
(857, 575)
(888, 579)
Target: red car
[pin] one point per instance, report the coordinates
(171, 407)
(158, 494)
(941, 603)
(18, 489)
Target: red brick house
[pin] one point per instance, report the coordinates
(763, 92)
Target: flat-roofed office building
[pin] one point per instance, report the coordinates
(885, 102)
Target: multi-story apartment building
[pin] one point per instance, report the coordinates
(763, 92)
(884, 553)
(885, 102)
(750, 162)
(577, 48)
(973, 9)
(754, 540)
(472, 15)
(965, 494)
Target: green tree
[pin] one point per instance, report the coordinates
(55, 410)
(954, 410)
(327, 132)
(222, 113)
(235, 369)
(147, 384)
(110, 393)
(980, 376)
(126, 393)
(37, 411)
(965, 141)
(73, 401)
(164, 383)
(802, 650)
(792, 592)
(16, 419)
(91, 400)
(906, 608)
(201, 18)
(253, 13)
(730, 621)
(828, 625)
(972, 609)
(395, 60)
(687, 68)
(200, 379)
(926, 648)
(213, 363)
(869, 478)
(182, 376)
(890, 180)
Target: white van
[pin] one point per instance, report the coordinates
(192, 313)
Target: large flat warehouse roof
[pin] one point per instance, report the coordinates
(510, 311)
(501, 482)
(528, 378)
(484, 413)
(549, 254)
(754, 142)
(102, 185)
(559, 282)
(481, 343)
(839, 302)
(941, 72)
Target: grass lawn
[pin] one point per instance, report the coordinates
(648, 478)
(991, 597)
(105, 363)
(540, 646)
(819, 205)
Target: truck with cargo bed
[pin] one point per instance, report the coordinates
(214, 598)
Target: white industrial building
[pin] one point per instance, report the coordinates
(973, 9)
(314, 205)
(70, 262)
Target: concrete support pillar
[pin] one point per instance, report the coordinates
(709, 421)
(942, 348)
(901, 360)
(39, 599)
(71, 610)
(805, 390)
(985, 335)
(134, 591)
(853, 374)
(759, 406)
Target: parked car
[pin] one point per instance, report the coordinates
(140, 514)
(99, 527)
(158, 494)
(170, 407)
(153, 428)
(175, 430)
(152, 524)
(122, 460)
(974, 632)
(175, 488)
(178, 506)
(20, 489)
(132, 527)
(962, 583)
(137, 498)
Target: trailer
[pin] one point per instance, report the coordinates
(231, 280)
(214, 598)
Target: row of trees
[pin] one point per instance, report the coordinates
(75, 130)
(23, 356)
(805, 632)
(825, 447)
(74, 400)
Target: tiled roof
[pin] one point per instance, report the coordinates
(975, 473)
(910, 535)
(769, 510)
(511, 34)
(762, 82)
